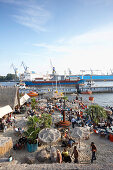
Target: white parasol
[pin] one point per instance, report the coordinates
(49, 135)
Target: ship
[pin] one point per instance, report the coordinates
(48, 83)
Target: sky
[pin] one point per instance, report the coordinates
(66, 34)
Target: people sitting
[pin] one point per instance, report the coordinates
(71, 142)
(65, 156)
(59, 156)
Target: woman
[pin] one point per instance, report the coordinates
(66, 156)
(59, 156)
(75, 152)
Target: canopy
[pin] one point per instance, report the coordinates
(5, 110)
(24, 99)
(5, 145)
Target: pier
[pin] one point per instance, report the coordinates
(97, 89)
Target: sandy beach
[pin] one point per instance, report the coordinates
(104, 153)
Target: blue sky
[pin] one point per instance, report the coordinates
(75, 34)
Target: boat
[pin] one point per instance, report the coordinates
(95, 77)
(86, 92)
(46, 83)
(21, 85)
(90, 83)
(32, 94)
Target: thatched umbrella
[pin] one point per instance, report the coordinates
(9, 96)
(49, 135)
(77, 133)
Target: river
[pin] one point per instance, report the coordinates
(103, 99)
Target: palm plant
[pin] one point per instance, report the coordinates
(45, 120)
(35, 124)
(65, 98)
(96, 112)
(33, 129)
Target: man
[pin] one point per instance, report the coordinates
(73, 122)
(93, 149)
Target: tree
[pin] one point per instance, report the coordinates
(65, 98)
(96, 112)
(11, 77)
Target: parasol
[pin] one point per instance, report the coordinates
(49, 135)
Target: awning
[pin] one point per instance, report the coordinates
(5, 110)
(24, 99)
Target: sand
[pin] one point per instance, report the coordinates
(104, 153)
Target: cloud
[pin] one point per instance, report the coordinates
(98, 37)
(101, 36)
(93, 49)
(29, 14)
(55, 48)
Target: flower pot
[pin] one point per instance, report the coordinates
(111, 137)
(32, 147)
(91, 98)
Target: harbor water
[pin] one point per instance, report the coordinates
(103, 99)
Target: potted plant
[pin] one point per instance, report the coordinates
(35, 124)
(32, 133)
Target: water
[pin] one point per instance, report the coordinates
(8, 83)
(103, 99)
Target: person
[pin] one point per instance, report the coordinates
(75, 152)
(73, 122)
(66, 156)
(93, 149)
(71, 142)
(59, 156)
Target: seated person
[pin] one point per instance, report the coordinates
(66, 156)
(71, 142)
(64, 143)
(59, 156)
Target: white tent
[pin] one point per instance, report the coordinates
(24, 99)
(5, 110)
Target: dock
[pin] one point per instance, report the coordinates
(97, 89)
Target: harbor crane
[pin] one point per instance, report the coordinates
(111, 71)
(25, 67)
(70, 72)
(88, 70)
(15, 70)
(52, 67)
